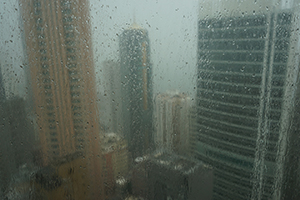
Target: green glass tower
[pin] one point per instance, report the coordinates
(246, 94)
(136, 83)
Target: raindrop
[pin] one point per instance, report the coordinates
(242, 69)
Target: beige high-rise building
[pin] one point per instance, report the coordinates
(172, 112)
(60, 60)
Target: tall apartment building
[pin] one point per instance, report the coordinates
(60, 60)
(136, 79)
(247, 94)
(111, 97)
(172, 122)
(2, 90)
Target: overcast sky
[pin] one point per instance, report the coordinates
(11, 53)
(172, 29)
(171, 25)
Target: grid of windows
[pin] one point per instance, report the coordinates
(241, 81)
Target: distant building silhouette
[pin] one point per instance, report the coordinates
(110, 102)
(172, 122)
(16, 133)
(21, 130)
(136, 80)
(8, 164)
(2, 90)
(17, 138)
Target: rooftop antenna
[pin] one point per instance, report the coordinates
(134, 25)
(134, 20)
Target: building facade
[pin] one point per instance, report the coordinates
(2, 90)
(115, 161)
(60, 60)
(169, 176)
(111, 97)
(9, 167)
(16, 134)
(247, 80)
(136, 80)
(62, 179)
(172, 122)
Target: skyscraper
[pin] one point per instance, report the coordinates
(111, 95)
(2, 91)
(172, 122)
(60, 58)
(247, 80)
(136, 79)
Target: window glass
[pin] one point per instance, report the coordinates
(149, 100)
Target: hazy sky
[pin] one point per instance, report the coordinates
(11, 53)
(172, 29)
(171, 25)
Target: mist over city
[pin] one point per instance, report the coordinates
(147, 100)
(172, 27)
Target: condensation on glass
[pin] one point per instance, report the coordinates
(150, 100)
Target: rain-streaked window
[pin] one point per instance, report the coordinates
(151, 100)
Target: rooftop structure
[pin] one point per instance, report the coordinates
(163, 176)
